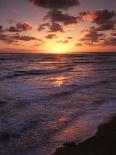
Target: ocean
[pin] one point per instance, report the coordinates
(47, 99)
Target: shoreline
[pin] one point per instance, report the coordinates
(102, 143)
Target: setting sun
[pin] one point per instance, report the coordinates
(58, 48)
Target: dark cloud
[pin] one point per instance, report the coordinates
(113, 34)
(51, 36)
(23, 38)
(3, 37)
(43, 26)
(7, 39)
(1, 28)
(55, 4)
(99, 16)
(20, 27)
(92, 36)
(111, 41)
(53, 27)
(83, 14)
(103, 16)
(59, 16)
(107, 26)
(69, 38)
(15, 38)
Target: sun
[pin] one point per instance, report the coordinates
(58, 48)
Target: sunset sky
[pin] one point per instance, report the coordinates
(57, 26)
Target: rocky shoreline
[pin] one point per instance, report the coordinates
(103, 143)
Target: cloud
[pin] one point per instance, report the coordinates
(78, 44)
(69, 38)
(55, 4)
(63, 42)
(37, 45)
(59, 16)
(92, 36)
(20, 27)
(107, 26)
(23, 38)
(113, 34)
(109, 41)
(51, 36)
(41, 40)
(43, 26)
(104, 21)
(1, 28)
(6, 38)
(53, 27)
(98, 17)
(103, 16)
(15, 38)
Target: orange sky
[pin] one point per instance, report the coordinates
(34, 27)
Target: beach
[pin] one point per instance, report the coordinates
(103, 143)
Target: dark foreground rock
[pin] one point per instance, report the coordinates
(103, 143)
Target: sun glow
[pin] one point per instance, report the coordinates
(58, 48)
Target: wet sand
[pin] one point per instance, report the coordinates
(103, 143)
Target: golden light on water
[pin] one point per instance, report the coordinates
(58, 81)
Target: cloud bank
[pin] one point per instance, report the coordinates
(59, 16)
(55, 4)
(20, 27)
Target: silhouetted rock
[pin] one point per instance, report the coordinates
(103, 143)
(6, 136)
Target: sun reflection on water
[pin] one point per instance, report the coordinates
(58, 81)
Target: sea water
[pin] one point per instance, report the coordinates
(47, 100)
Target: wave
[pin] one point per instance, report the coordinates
(35, 72)
(74, 88)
